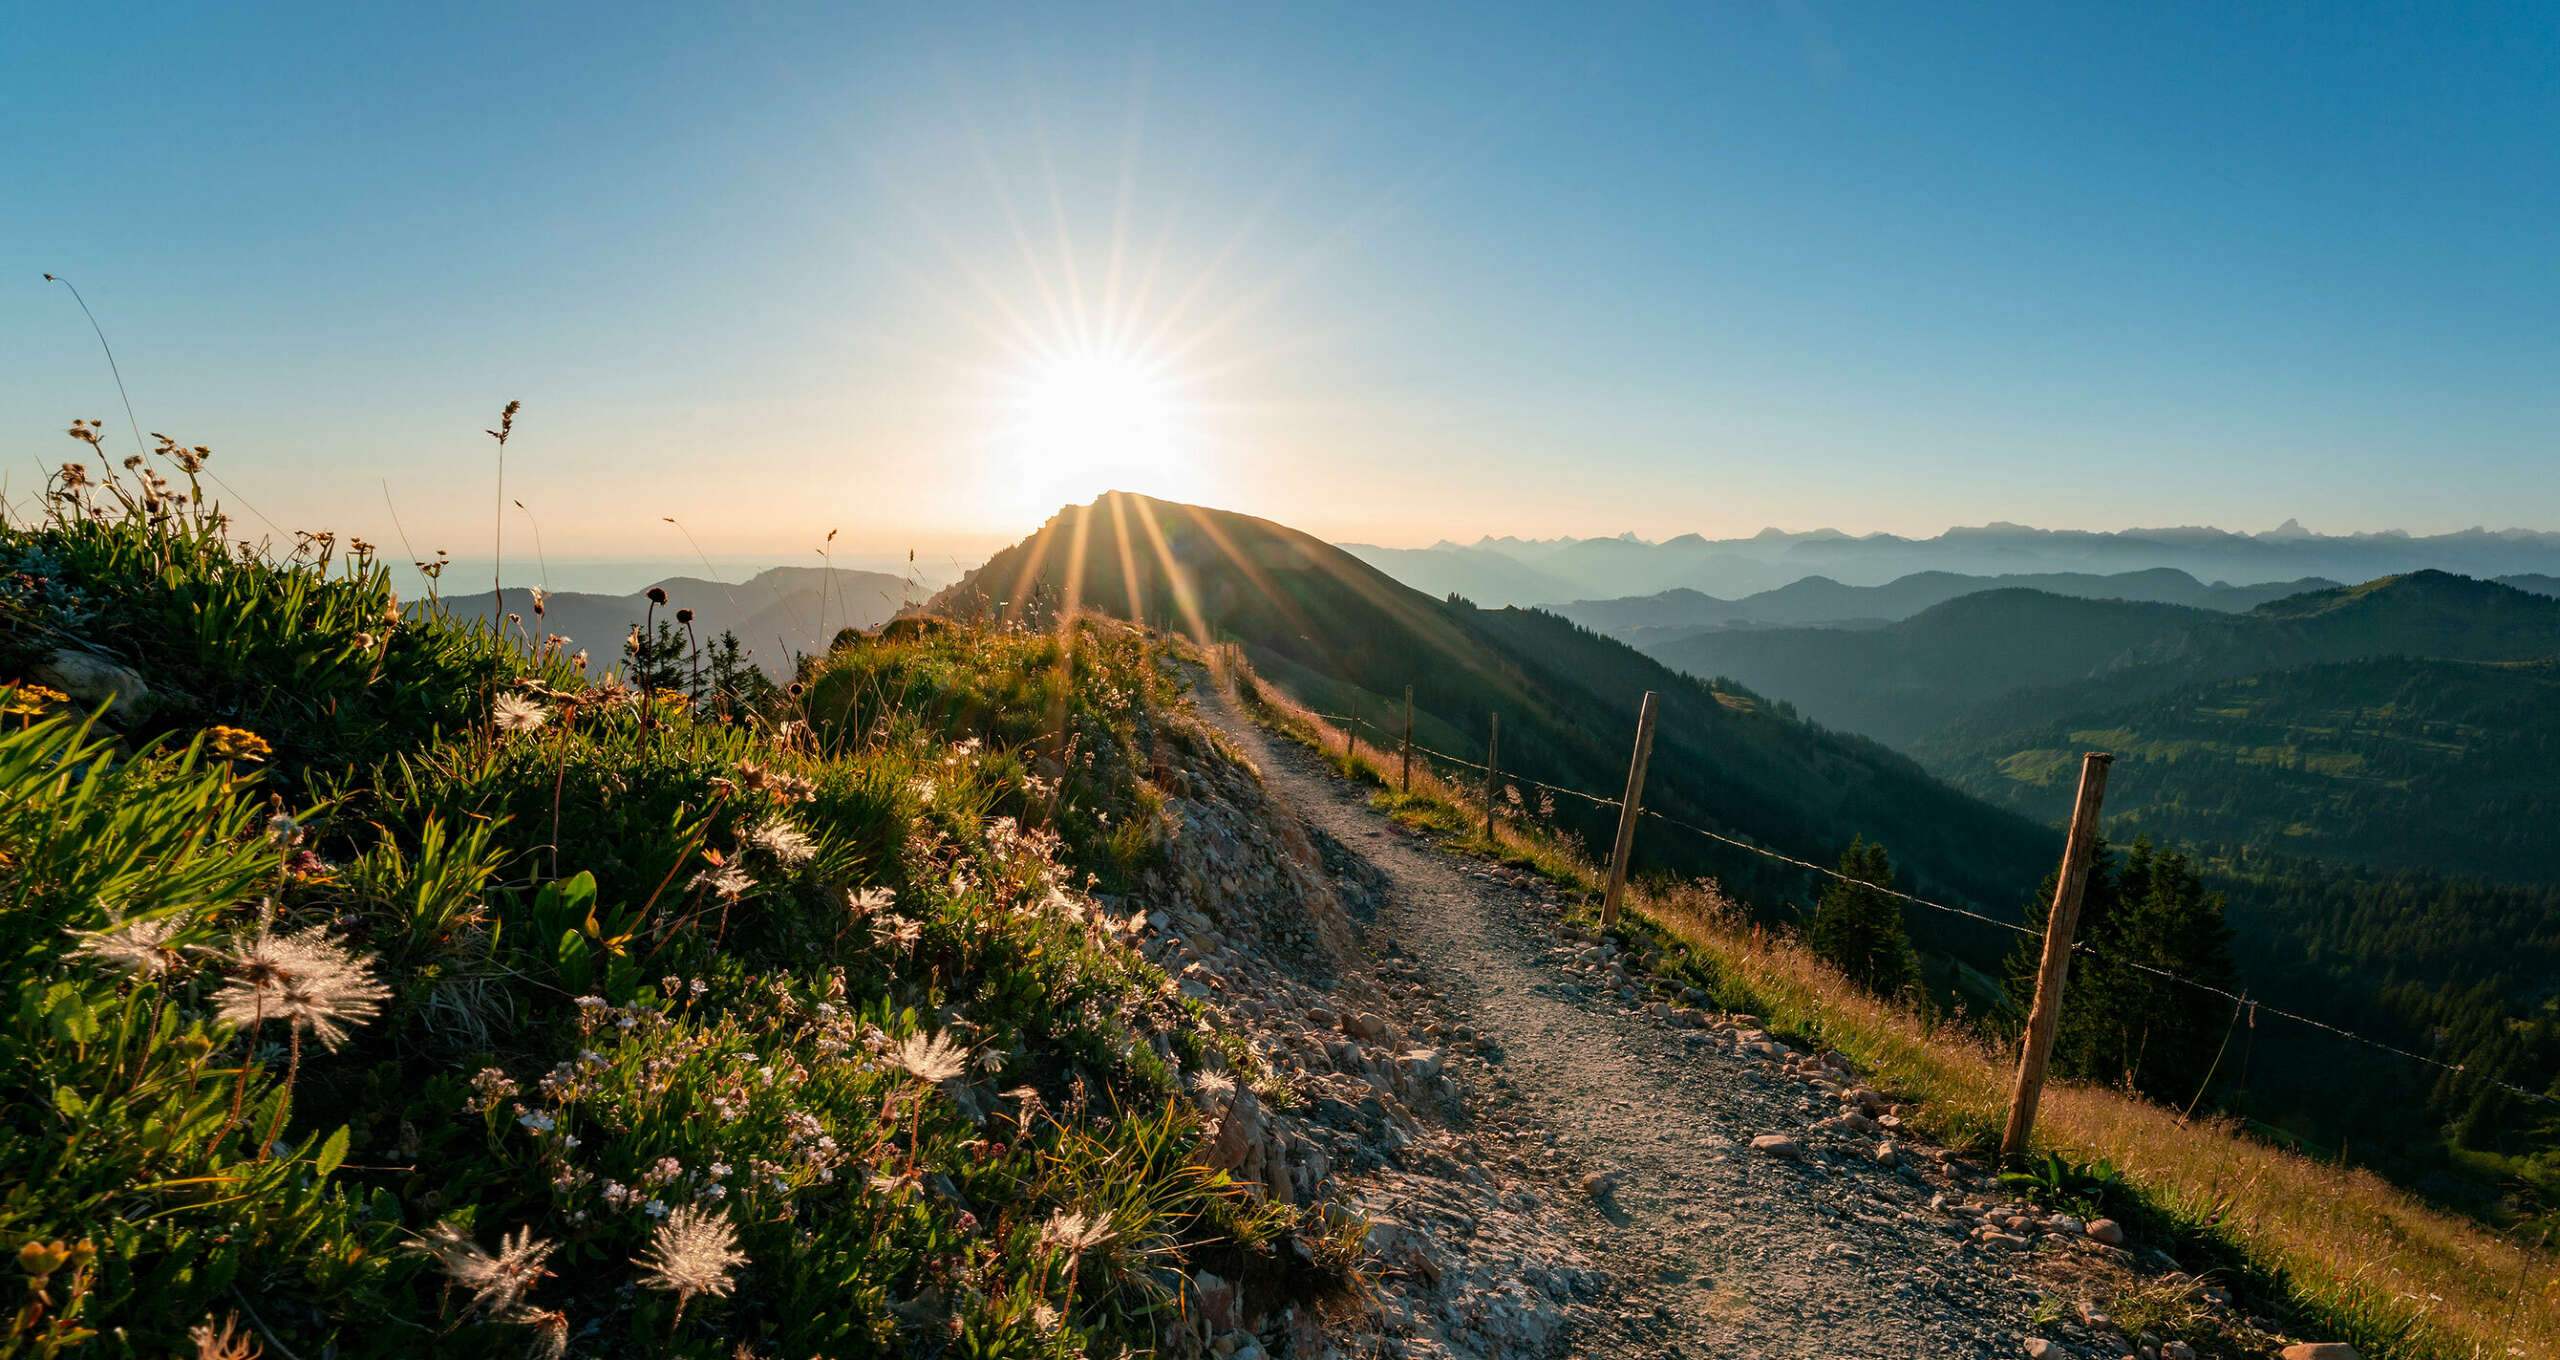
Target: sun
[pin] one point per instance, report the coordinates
(1089, 420)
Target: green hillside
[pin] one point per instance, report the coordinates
(2393, 762)
(1345, 634)
(1897, 682)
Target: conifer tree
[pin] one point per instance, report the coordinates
(2121, 1024)
(1859, 929)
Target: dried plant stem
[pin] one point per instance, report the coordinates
(292, 1072)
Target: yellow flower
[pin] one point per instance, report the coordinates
(234, 743)
(32, 699)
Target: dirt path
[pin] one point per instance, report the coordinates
(1718, 1249)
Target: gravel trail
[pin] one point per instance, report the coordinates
(1718, 1249)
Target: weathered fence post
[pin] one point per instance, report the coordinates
(1492, 761)
(2046, 1016)
(1626, 842)
(1408, 739)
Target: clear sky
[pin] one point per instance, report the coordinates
(1384, 272)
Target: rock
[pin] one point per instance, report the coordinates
(1601, 1184)
(2106, 1230)
(2321, 1350)
(2040, 1349)
(1217, 1301)
(1886, 1154)
(2095, 1318)
(2177, 1350)
(92, 680)
(1778, 1145)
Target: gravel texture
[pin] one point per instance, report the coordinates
(1552, 1153)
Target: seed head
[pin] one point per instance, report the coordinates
(307, 980)
(1075, 1233)
(929, 1058)
(784, 842)
(516, 713)
(692, 1252)
(146, 949)
(496, 1283)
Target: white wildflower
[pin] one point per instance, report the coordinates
(306, 979)
(516, 713)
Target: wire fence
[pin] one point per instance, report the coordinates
(2240, 1001)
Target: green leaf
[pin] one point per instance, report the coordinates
(334, 1151)
(69, 1100)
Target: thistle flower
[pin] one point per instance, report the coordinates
(692, 1252)
(496, 1283)
(784, 842)
(306, 979)
(1075, 1233)
(146, 949)
(516, 713)
(929, 1058)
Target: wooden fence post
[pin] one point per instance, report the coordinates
(1492, 761)
(1626, 842)
(1408, 739)
(2046, 1016)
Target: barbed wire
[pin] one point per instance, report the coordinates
(2080, 947)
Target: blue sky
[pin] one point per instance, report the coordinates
(1386, 273)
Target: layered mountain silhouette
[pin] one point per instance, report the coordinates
(1345, 636)
(1647, 619)
(777, 614)
(1497, 571)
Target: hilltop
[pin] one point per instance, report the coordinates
(1652, 619)
(1345, 636)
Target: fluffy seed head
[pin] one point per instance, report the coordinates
(692, 1252)
(929, 1058)
(306, 979)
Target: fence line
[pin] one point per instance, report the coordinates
(2078, 947)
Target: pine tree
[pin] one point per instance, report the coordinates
(2120, 1023)
(1859, 929)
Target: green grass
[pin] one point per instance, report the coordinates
(654, 954)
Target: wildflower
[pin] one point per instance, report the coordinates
(305, 979)
(27, 700)
(1047, 1318)
(283, 830)
(896, 932)
(656, 1208)
(867, 901)
(145, 949)
(784, 842)
(489, 1086)
(1075, 1233)
(516, 713)
(235, 743)
(922, 789)
(537, 1121)
(929, 1058)
(497, 1283)
(693, 1252)
(657, 595)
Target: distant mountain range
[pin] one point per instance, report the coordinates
(777, 614)
(1342, 635)
(1497, 571)
(1648, 619)
(2404, 723)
